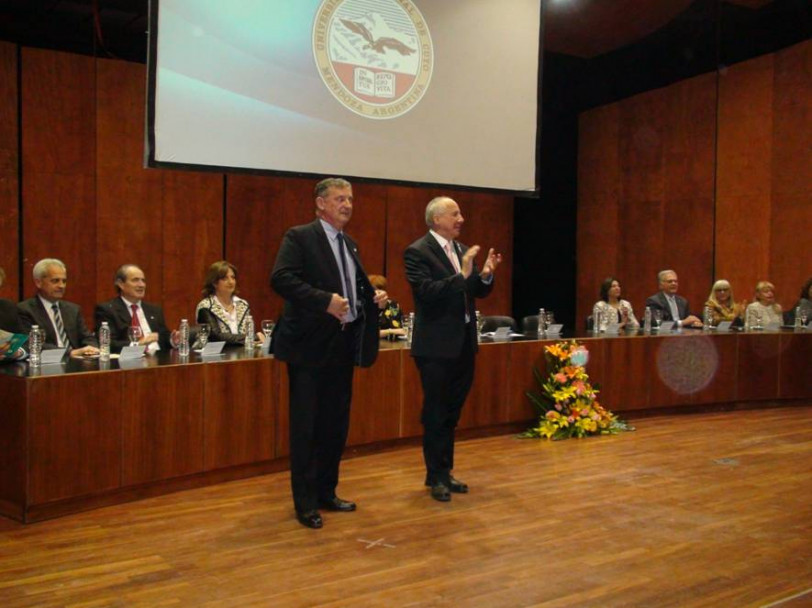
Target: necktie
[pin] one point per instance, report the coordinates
(672, 304)
(60, 327)
(452, 256)
(347, 283)
(135, 322)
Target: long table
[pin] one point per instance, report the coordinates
(74, 436)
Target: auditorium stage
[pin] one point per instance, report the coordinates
(708, 509)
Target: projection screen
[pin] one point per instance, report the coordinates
(428, 91)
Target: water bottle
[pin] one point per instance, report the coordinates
(647, 320)
(748, 314)
(597, 319)
(542, 326)
(798, 324)
(707, 317)
(34, 345)
(478, 326)
(104, 341)
(249, 333)
(183, 344)
(410, 330)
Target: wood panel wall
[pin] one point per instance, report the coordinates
(672, 179)
(87, 199)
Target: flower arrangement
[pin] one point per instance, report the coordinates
(568, 405)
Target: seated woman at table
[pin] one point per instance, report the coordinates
(765, 304)
(390, 317)
(803, 305)
(10, 322)
(612, 308)
(722, 305)
(221, 308)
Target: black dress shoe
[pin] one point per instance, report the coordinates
(457, 486)
(336, 504)
(439, 491)
(310, 519)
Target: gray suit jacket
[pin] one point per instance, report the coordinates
(32, 312)
(658, 302)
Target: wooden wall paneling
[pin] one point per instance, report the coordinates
(74, 439)
(758, 366)
(162, 423)
(13, 446)
(58, 155)
(598, 202)
(405, 223)
(791, 210)
(795, 349)
(488, 400)
(626, 378)
(743, 173)
(9, 164)
(688, 167)
(524, 356)
(489, 223)
(376, 400)
(130, 216)
(641, 210)
(368, 225)
(130, 230)
(259, 210)
(192, 239)
(239, 415)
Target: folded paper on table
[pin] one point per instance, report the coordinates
(52, 355)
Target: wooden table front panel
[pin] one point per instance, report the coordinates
(162, 423)
(376, 400)
(795, 364)
(239, 412)
(12, 445)
(758, 366)
(74, 441)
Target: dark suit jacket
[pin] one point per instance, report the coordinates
(118, 317)
(32, 312)
(306, 275)
(658, 302)
(441, 296)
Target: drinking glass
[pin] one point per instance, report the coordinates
(134, 334)
(757, 319)
(549, 318)
(267, 327)
(657, 317)
(804, 317)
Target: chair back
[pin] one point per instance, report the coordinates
(530, 324)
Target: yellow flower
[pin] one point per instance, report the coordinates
(564, 393)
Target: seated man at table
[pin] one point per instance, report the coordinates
(62, 320)
(129, 310)
(672, 306)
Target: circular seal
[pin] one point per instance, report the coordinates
(374, 56)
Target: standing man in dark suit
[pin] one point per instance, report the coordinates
(129, 309)
(329, 325)
(672, 307)
(445, 283)
(62, 320)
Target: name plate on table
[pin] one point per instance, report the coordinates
(52, 356)
(769, 327)
(724, 326)
(131, 352)
(555, 328)
(666, 326)
(266, 346)
(212, 349)
(613, 329)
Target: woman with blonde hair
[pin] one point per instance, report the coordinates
(722, 305)
(764, 306)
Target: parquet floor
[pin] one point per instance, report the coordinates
(692, 510)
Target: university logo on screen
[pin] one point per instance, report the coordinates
(374, 56)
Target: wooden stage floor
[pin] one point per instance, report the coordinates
(691, 510)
